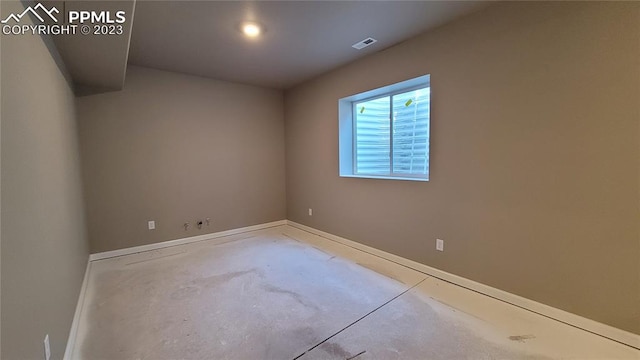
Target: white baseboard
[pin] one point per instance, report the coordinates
(583, 323)
(71, 341)
(187, 240)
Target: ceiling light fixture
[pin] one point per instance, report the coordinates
(251, 29)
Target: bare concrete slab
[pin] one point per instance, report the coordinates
(283, 293)
(262, 297)
(412, 327)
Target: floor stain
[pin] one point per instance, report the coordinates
(185, 292)
(521, 338)
(336, 350)
(215, 280)
(277, 290)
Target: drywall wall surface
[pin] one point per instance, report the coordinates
(44, 240)
(534, 155)
(174, 148)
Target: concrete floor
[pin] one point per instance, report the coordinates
(282, 293)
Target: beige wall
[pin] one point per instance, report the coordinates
(176, 148)
(44, 242)
(534, 155)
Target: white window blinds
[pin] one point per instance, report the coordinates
(392, 134)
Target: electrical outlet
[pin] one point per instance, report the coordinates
(47, 349)
(439, 244)
(152, 225)
(310, 212)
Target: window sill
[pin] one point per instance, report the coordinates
(382, 177)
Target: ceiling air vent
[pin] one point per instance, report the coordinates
(364, 43)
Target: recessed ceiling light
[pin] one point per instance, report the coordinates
(251, 29)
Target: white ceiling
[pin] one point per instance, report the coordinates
(303, 38)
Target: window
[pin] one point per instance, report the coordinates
(384, 133)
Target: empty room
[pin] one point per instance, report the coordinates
(319, 180)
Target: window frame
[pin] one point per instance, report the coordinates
(347, 115)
